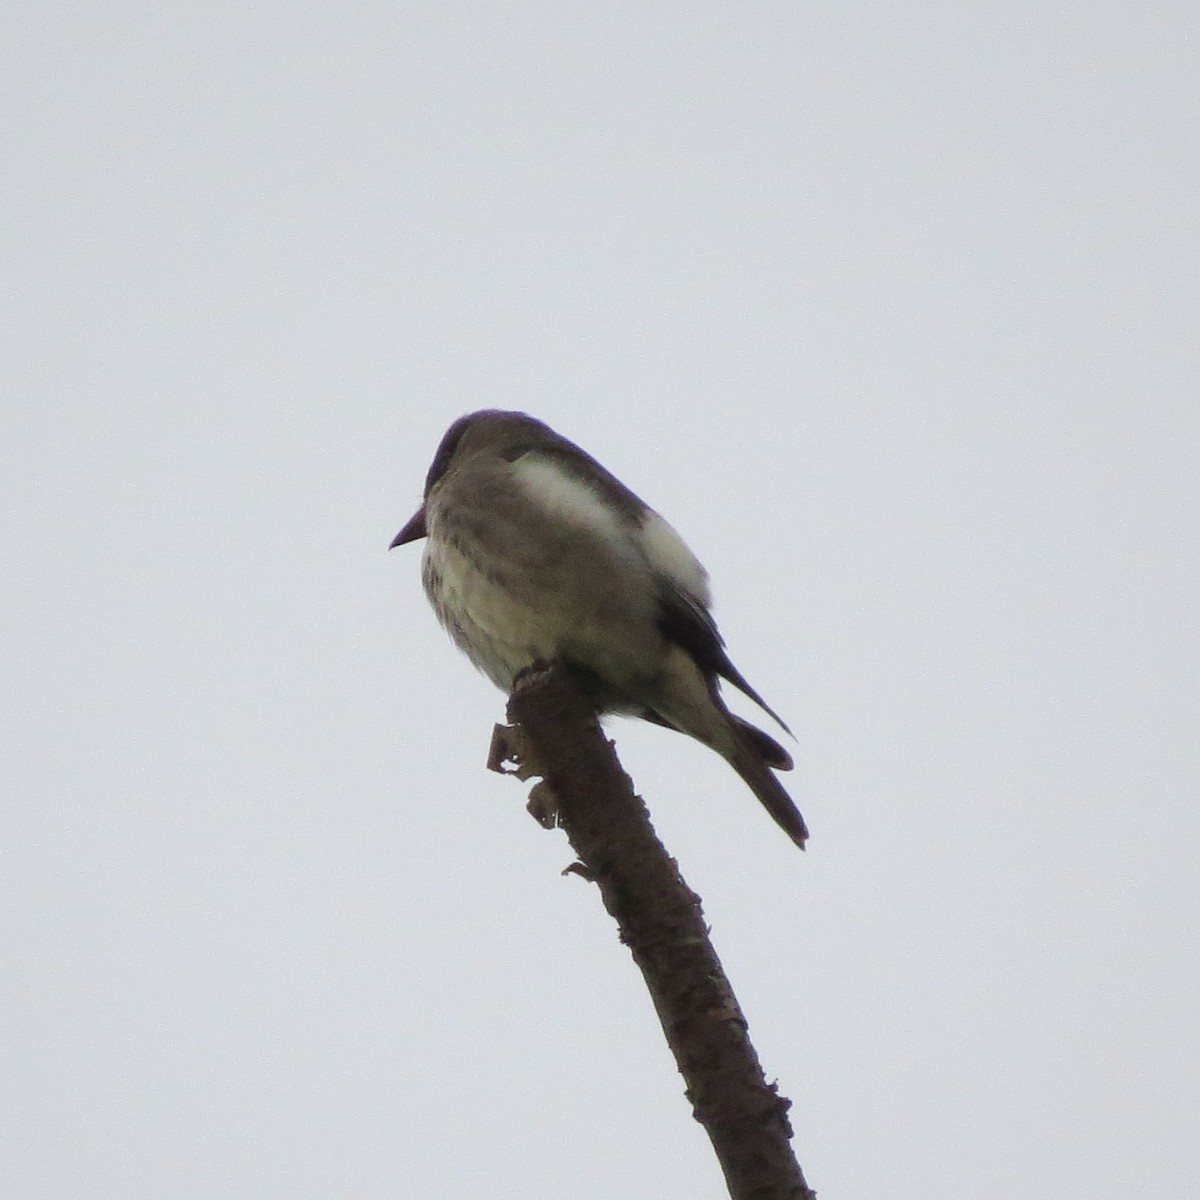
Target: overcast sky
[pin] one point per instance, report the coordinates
(891, 310)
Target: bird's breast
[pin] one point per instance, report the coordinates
(510, 597)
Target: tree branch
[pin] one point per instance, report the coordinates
(558, 737)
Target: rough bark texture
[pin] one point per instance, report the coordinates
(558, 738)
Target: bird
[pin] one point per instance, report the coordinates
(536, 553)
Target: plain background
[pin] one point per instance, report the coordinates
(890, 309)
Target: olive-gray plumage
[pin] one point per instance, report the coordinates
(535, 552)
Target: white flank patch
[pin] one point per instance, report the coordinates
(668, 554)
(564, 496)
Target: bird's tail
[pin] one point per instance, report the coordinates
(752, 756)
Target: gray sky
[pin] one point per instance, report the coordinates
(892, 311)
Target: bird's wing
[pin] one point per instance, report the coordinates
(688, 623)
(578, 465)
(682, 581)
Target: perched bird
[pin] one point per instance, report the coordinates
(536, 553)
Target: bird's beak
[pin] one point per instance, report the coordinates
(414, 529)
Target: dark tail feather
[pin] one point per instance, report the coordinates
(751, 764)
(768, 749)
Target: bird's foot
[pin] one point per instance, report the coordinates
(529, 675)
